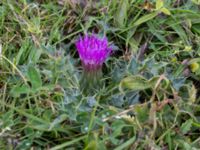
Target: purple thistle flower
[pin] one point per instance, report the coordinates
(93, 51)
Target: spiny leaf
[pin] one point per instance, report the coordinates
(34, 77)
(186, 126)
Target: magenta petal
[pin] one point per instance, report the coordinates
(93, 50)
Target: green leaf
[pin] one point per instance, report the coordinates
(185, 127)
(134, 83)
(197, 2)
(34, 55)
(137, 83)
(21, 55)
(34, 77)
(57, 121)
(194, 60)
(142, 113)
(25, 144)
(154, 28)
(185, 145)
(133, 45)
(126, 144)
(169, 140)
(18, 90)
(178, 29)
(165, 11)
(145, 18)
(91, 145)
(192, 94)
(117, 127)
(68, 143)
(159, 4)
(121, 15)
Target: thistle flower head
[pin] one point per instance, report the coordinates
(93, 50)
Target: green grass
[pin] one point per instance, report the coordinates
(150, 94)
